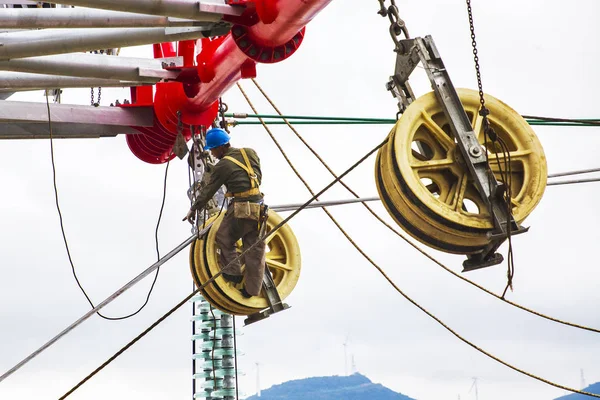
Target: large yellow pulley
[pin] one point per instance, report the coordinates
(426, 187)
(282, 258)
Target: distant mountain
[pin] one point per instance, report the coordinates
(353, 387)
(594, 388)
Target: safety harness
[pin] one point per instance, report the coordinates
(251, 175)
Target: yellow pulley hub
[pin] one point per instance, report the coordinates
(282, 257)
(425, 185)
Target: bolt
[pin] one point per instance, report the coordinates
(475, 151)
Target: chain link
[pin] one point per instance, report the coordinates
(397, 25)
(92, 103)
(222, 110)
(484, 111)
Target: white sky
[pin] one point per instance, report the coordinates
(540, 57)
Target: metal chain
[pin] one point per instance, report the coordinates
(397, 25)
(92, 103)
(489, 132)
(484, 112)
(223, 108)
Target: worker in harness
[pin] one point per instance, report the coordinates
(239, 170)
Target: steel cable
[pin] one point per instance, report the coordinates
(359, 249)
(224, 269)
(64, 236)
(423, 252)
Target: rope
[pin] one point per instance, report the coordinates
(128, 345)
(359, 249)
(64, 236)
(224, 269)
(403, 237)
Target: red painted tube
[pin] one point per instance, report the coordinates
(227, 59)
(220, 64)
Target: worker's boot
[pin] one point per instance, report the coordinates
(233, 278)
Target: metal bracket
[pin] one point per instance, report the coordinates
(273, 298)
(407, 59)
(472, 153)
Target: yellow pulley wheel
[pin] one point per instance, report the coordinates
(282, 258)
(422, 174)
(199, 276)
(413, 223)
(214, 290)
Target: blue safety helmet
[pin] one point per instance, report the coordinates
(216, 137)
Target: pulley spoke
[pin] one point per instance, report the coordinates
(459, 195)
(477, 125)
(437, 132)
(272, 255)
(431, 165)
(269, 238)
(277, 265)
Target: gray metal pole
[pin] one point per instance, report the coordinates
(104, 303)
(61, 130)
(581, 171)
(30, 112)
(570, 182)
(23, 81)
(25, 18)
(95, 66)
(60, 41)
(189, 9)
(112, 297)
(318, 204)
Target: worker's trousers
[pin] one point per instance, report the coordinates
(231, 230)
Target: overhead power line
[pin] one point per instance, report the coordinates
(334, 120)
(573, 181)
(102, 304)
(240, 256)
(173, 252)
(64, 236)
(569, 173)
(359, 249)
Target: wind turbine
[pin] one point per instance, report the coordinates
(345, 344)
(474, 385)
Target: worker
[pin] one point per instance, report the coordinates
(239, 170)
